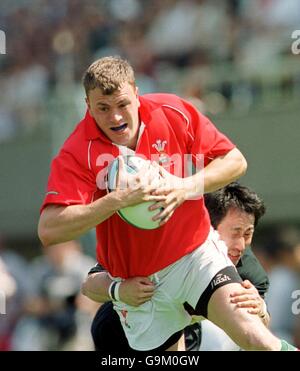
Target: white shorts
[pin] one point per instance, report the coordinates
(151, 324)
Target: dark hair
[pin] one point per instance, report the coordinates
(108, 74)
(233, 195)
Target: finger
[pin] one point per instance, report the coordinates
(147, 295)
(148, 292)
(170, 204)
(144, 296)
(241, 293)
(151, 189)
(247, 284)
(163, 190)
(243, 298)
(238, 293)
(171, 198)
(247, 304)
(154, 198)
(253, 311)
(251, 291)
(163, 213)
(157, 205)
(145, 281)
(146, 289)
(165, 220)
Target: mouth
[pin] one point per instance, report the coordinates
(120, 128)
(234, 258)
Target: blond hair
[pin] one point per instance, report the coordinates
(108, 74)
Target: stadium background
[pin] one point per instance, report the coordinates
(232, 58)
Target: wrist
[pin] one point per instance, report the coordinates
(117, 200)
(193, 187)
(113, 290)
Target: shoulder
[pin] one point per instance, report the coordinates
(162, 98)
(76, 146)
(166, 101)
(76, 139)
(172, 106)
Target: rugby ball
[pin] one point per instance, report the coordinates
(137, 215)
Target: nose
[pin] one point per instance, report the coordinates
(240, 244)
(115, 117)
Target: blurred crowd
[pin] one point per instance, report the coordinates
(193, 47)
(280, 256)
(41, 305)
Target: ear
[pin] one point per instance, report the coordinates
(88, 105)
(137, 95)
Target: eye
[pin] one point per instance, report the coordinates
(103, 109)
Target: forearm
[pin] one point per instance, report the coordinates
(96, 287)
(59, 224)
(224, 170)
(220, 172)
(133, 291)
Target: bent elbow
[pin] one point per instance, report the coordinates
(84, 290)
(243, 166)
(240, 162)
(44, 235)
(48, 227)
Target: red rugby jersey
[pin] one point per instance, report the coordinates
(172, 128)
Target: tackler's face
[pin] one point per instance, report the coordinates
(236, 230)
(117, 114)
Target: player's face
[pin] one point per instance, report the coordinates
(236, 230)
(117, 114)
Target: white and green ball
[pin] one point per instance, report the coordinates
(137, 215)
